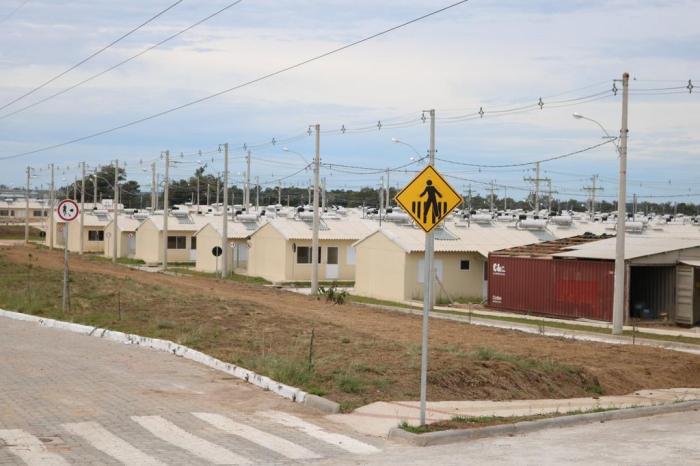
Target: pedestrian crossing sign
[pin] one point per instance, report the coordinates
(428, 198)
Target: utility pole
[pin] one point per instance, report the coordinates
(224, 226)
(549, 194)
(317, 216)
(208, 204)
(166, 187)
(94, 189)
(115, 215)
(154, 189)
(493, 190)
(218, 177)
(619, 290)
(75, 189)
(323, 195)
(591, 192)
(388, 189)
(381, 199)
(427, 289)
(26, 210)
(52, 201)
(505, 198)
(536, 180)
(257, 195)
(634, 206)
(247, 183)
(198, 210)
(82, 210)
(279, 194)
(469, 202)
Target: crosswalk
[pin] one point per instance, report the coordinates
(237, 442)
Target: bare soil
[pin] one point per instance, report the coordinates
(359, 354)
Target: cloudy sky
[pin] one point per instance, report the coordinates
(496, 55)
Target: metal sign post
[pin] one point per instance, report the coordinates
(428, 199)
(67, 210)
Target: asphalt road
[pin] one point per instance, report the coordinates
(71, 399)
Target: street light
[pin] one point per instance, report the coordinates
(287, 149)
(398, 141)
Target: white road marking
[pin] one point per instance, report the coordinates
(29, 448)
(339, 440)
(271, 442)
(110, 444)
(169, 432)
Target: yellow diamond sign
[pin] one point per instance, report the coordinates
(428, 198)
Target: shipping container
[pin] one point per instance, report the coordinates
(576, 289)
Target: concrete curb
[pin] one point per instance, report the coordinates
(463, 435)
(322, 404)
(285, 391)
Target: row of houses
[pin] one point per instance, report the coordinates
(384, 257)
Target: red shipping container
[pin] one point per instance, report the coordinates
(555, 287)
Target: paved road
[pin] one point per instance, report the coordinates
(71, 399)
(669, 439)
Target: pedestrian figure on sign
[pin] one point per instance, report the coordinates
(431, 201)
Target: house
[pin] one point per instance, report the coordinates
(93, 232)
(126, 231)
(16, 208)
(390, 261)
(182, 245)
(280, 250)
(210, 237)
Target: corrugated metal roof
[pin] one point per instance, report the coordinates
(236, 230)
(174, 225)
(635, 246)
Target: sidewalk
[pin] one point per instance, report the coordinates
(378, 418)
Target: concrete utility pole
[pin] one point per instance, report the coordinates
(428, 276)
(115, 215)
(224, 216)
(619, 291)
(208, 203)
(537, 181)
(323, 195)
(94, 189)
(469, 202)
(75, 189)
(81, 245)
(246, 203)
(218, 177)
(493, 192)
(257, 195)
(591, 193)
(26, 210)
(279, 194)
(317, 214)
(634, 206)
(381, 198)
(388, 189)
(505, 198)
(154, 189)
(52, 201)
(549, 194)
(166, 187)
(198, 209)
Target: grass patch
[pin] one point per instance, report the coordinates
(379, 302)
(327, 283)
(525, 364)
(233, 276)
(472, 422)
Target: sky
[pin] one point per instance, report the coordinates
(494, 55)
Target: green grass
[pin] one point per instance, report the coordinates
(465, 422)
(379, 302)
(120, 260)
(233, 276)
(525, 364)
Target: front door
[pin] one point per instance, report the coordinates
(332, 269)
(130, 245)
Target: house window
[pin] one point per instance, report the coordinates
(332, 255)
(193, 242)
(304, 255)
(177, 242)
(37, 213)
(96, 235)
(4, 213)
(464, 264)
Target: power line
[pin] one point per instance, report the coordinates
(234, 88)
(12, 13)
(523, 164)
(123, 62)
(91, 56)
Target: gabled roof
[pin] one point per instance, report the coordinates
(342, 229)
(193, 223)
(236, 230)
